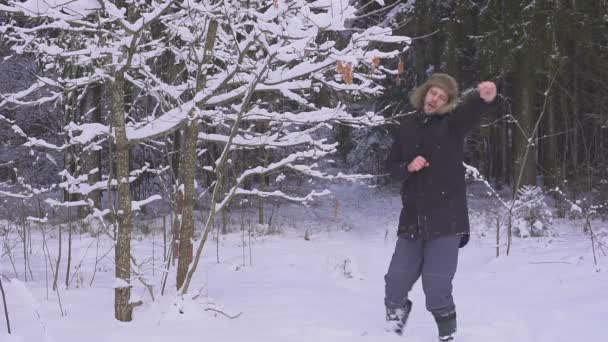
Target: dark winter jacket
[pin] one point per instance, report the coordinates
(434, 199)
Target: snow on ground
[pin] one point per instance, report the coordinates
(329, 288)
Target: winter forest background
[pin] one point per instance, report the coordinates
(144, 143)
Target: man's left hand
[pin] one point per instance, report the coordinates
(487, 91)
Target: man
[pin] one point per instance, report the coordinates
(434, 221)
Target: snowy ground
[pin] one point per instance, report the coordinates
(329, 288)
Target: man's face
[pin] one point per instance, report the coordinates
(435, 99)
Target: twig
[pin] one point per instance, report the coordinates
(166, 273)
(8, 323)
(139, 276)
(223, 313)
(97, 260)
(81, 261)
(524, 158)
(9, 253)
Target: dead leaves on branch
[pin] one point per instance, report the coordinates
(346, 70)
(400, 71)
(375, 64)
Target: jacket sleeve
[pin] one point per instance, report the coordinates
(468, 114)
(396, 159)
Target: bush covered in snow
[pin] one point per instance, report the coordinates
(532, 215)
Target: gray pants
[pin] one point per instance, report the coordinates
(435, 260)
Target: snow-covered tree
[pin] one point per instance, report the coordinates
(533, 216)
(247, 76)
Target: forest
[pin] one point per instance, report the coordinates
(195, 119)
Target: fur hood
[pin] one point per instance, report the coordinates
(443, 81)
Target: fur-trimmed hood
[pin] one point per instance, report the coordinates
(443, 81)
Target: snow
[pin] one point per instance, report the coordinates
(400, 8)
(120, 283)
(78, 9)
(165, 123)
(9, 194)
(289, 139)
(146, 18)
(285, 34)
(88, 131)
(576, 208)
(328, 288)
(137, 205)
(68, 204)
(278, 193)
(380, 34)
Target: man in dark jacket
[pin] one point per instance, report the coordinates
(434, 221)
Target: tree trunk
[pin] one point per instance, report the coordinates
(188, 172)
(56, 275)
(122, 306)
(549, 143)
(523, 143)
(188, 167)
(69, 256)
(550, 158)
(93, 160)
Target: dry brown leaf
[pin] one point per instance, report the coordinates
(401, 67)
(348, 74)
(376, 62)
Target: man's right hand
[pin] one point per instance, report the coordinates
(417, 164)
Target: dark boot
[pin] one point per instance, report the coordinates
(397, 317)
(446, 325)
